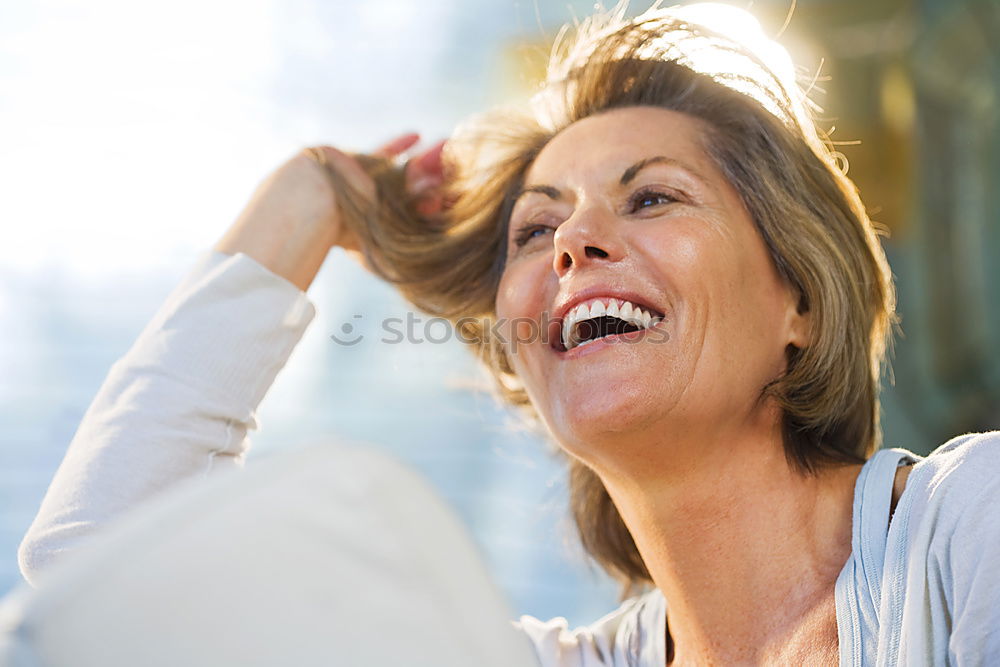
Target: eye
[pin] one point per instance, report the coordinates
(530, 232)
(646, 198)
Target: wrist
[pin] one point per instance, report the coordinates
(293, 250)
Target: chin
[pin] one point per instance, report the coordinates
(597, 416)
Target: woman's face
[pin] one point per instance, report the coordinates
(625, 207)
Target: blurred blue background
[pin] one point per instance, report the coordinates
(133, 133)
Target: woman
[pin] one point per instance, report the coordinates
(687, 293)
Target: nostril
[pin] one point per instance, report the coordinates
(566, 261)
(594, 251)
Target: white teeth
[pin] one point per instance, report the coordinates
(626, 311)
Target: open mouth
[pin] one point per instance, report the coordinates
(599, 318)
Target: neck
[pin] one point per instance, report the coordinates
(746, 549)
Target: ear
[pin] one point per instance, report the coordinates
(798, 318)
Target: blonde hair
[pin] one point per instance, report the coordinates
(762, 138)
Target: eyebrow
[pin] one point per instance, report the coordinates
(631, 172)
(627, 176)
(547, 190)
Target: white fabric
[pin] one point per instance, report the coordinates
(320, 557)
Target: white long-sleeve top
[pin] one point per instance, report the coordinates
(178, 405)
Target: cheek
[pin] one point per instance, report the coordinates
(744, 322)
(704, 263)
(756, 291)
(521, 292)
(521, 304)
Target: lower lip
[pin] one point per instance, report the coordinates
(616, 340)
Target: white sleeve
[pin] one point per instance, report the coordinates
(177, 405)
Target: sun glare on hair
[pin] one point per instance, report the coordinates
(713, 57)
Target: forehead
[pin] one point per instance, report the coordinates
(615, 139)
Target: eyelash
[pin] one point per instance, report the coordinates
(525, 233)
(645, 194)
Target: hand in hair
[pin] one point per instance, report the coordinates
(425, 178)
(293, 220)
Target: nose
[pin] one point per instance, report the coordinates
(588, 236)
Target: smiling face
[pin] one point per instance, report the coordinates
(625, 211)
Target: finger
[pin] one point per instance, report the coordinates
(397, 145)
(425, 171)
(434, 207)
(429, 206)
(431, 158)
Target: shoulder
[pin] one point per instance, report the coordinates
(948, 498)
(963, 447)
(960, 470)
(626, 636)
